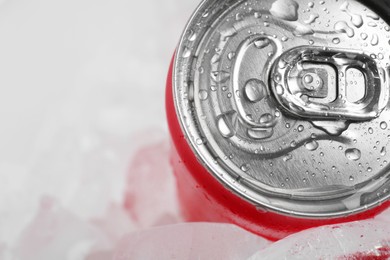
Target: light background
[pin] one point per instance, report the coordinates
(78, 80)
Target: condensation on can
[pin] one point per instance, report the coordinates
(279, 115)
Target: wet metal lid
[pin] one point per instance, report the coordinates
(286, 102)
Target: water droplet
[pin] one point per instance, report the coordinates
(216, 58)
(266, 118)
(364, 36)
(353, 154)
(262, 43)
(245, 167)
(369, 169)
(287, 157)
(205, 14)
(255, 90)
(293, 144)
(372, 24)
(383, 151)
(343, 27)
(284, 39)
(312, 19)
(370, 130)
(227, 33)
(383, 125)
(199, 141)
(186, 121)
(334, 128)
(220, 76)
(257, 15)
(351, 178)
(238, 17)
(312, 145)
(336, 40)
(311, 42)
(308, 78)
(186, 52)
(192, 36)
(231, 55)
(203, 95)
(302, 30)
(225, 124)
(301, 128)
(374, 40)
(285, 9)
(373, 16)
(260, 133)
(191, 91)
(356, 19)
(279, 90)
(277, 77)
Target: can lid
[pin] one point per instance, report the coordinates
(286, 103)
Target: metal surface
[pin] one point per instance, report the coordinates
(286, 103)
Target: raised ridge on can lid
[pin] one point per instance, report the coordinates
(286, 102)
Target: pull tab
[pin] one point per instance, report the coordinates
(328, 84)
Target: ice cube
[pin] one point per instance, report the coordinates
(190, 241)
(151, 197)
(369, 237)
(56, 233)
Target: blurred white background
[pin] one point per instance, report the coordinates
(79, 80)
(83, 132)
(71, 63)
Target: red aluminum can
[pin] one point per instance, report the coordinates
(270, 114)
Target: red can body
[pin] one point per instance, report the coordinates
(204, 199)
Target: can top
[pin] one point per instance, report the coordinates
(286, 103)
